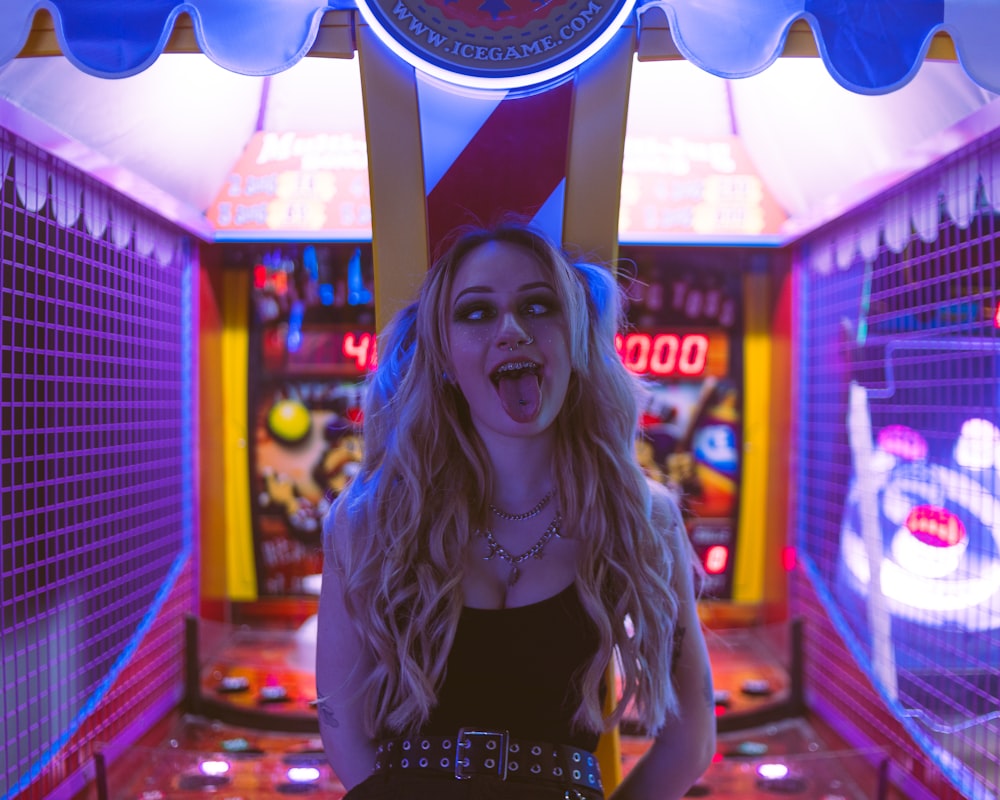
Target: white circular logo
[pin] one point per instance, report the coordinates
(495, 43)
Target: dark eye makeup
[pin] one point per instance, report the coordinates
(539, 305)
(475, 311)
(480, 310)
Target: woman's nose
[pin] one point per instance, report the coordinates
(511, 332)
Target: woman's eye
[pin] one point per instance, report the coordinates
(472, 313)
(537, 308)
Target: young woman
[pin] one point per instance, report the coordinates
(500, 546)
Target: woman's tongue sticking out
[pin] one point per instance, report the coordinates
(520, 394)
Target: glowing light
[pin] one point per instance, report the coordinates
(716, 559)
(931, 543)
(293, 341)
(978, 445)
(214, 768)
(789, 558)
(534, 78)
(303, 774)
(773, 771)
(279, 280)
(929, 600)
(935, 526)
(361, 348)
(903, 441)
(663, 354)
(259, 276)
(357, 294)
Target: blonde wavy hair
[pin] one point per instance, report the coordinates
(422, 487)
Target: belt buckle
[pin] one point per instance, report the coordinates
(464, 742)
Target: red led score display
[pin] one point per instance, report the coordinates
(655, 354)
(327, 350)
(674, 355)
(360, 348)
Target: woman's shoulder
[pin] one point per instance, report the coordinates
(336, 529)
(665, 510)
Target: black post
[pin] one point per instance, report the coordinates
(883, 779)
(796, 669)
(101, 776)
(192, 702)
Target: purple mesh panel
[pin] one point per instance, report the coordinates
(915, 334)
(95, 482)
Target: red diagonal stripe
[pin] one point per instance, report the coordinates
(512, 165)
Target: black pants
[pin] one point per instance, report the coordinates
(392, 785)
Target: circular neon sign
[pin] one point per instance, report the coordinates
(495, 44)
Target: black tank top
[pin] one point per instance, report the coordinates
(518, 669)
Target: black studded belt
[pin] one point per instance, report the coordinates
(473, 752)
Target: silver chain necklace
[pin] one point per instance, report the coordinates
(535, 551)
(533, 512)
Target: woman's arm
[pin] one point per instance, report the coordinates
(341, 665)
(684, 748)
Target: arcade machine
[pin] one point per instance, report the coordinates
(686, 346)
(916, 564)
(688, 309)
(310, 342)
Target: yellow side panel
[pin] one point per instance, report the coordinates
(751, 551)
(212, 544)
(609, 748)
(241, 574)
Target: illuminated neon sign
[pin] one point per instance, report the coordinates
(674, 355)
(500, 44)
(361, 349)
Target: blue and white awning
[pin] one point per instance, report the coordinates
(868, 46)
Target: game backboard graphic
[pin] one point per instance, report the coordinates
(900, 480)
(312, 343)
(685, 344)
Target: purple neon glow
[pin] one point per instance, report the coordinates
(94, 498)
(911, 332)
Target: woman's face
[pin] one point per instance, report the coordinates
(508, 341)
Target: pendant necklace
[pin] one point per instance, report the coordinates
(536, 550)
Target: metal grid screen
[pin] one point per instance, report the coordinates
(898, 517)
(95, 489)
